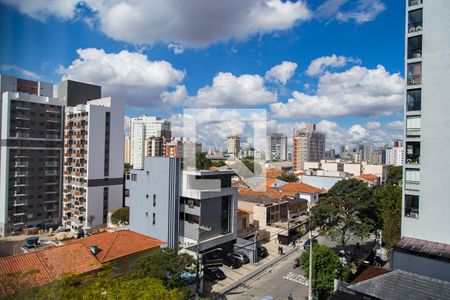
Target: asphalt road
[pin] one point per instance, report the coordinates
(278, 281)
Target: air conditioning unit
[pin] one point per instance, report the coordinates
(414, 215)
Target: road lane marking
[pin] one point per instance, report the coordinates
(296, 278)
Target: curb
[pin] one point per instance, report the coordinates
(257, 271)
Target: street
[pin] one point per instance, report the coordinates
(278, 281)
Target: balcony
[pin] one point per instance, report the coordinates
(413, 153)
(51, 172)
(51, 163)
(414, 2)
(20, 173)
(20, 194)
(51, 192)
(413, 126)
(413, 132)
(22, 135)
(20, 202)
(52, 136)
(19, 184)
(412, 185)
(21, 107)
(53, 120)
(412, 206)
(22, 117)
(52, 111)
(414, 100)
(415, 47)
(17, 214)
(21, 164)
(412, 179)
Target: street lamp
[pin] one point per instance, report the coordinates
(310, 292)
(197, 273)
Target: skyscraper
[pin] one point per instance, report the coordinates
(425, 243)
(276, 147)
(30, 156)
(93, 162)
(141, 129)
(309, 145)
(233, 146)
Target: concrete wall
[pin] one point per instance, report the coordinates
(421, 265)
(434, 209)
(320, 182)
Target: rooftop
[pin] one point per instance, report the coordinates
(44, 266)
(299, 187)
(369, 177)
(117, 244)
(424, 248)
(270, 196)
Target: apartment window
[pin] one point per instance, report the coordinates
(190, 218)
(154, 200)
(412, 179)
(414, 100)
(154, 219)
(414, 2)
(415, 47)
(133, 177)
(107, 133)
(414, 73)
(413, 125)
(225, 215)
(412, 152)
(105, 204)
(415, 21)
(412, 206)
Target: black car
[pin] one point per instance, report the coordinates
(232, 261)
(262, 251)
(307, 244)
(215, 274)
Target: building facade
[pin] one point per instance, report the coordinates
(233, 146)
(276, 147)
(30, 156)
(309, 145)
(93, 163)
(141, 129)
(426, 208)
(127, 151)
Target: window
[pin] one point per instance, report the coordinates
(225, 215)
(415, 21)
(412, 206)
(154, 200)
(415, 47)
(414, 73)
(412, 152)
(412, 179)
(413, 126)
(133, 177)
(154, 219)
(415, 2)
(413, 100)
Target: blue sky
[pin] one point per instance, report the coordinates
(163, 56)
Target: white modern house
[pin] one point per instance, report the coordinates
(93, 162)
(172, 204)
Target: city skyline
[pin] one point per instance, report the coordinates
(298, 69)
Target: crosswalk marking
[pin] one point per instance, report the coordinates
(296, 278)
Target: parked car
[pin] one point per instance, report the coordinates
(189, 278)
(215, 274)
(241, 256)
(307, 244)
(232, 261)
(31, 242)
(262, 251)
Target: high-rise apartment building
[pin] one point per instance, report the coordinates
(93, 162)
(30, 156)
(276, 147)
(141, 129)
(309, 145)
(127, 150)
(233, 146)
(425, 244)
(73, 92)
(154, 146)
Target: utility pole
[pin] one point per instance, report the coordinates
(197, 276)
(310, 293)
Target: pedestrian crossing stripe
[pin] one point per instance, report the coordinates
(296, 278)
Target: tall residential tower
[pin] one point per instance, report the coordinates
(308, 145)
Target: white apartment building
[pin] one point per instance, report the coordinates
(170, 204)
(308, 145)
(425, 244)
(233, 146)
(93, 162)
(31, 126)
(395, 156)
(276, 147)
(141, 129)
(127, 150)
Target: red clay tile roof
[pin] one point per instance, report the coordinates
(299, 187)
(369, 273)
(117, 244)
(44, 266)
(273, 172)
(369, 177)
(270, 193)
(242, 212)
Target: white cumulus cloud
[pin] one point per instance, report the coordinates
(319, 65)
(42, 9)
(355, 92)
(130, 76)
(281, 73)
(365, 11)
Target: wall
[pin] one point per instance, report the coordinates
(421, 265)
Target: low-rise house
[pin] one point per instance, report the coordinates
(121, 248)
(370, 179)
(303, 191)
(44, 266)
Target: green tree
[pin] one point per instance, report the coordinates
(121, 216)
(164, 264)
(394, 175)
(288, 177)
(201, 162)
(347, 211)
(389, 199)
(326, 267)
(101, 285)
